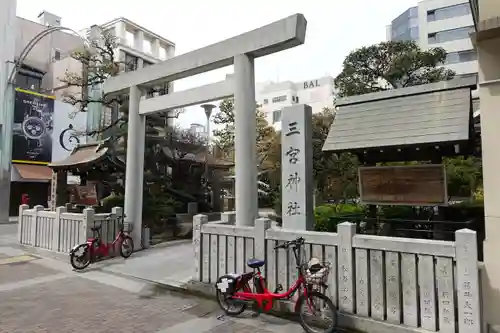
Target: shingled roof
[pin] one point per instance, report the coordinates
(426, 114)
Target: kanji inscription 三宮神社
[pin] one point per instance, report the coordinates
(297, 184)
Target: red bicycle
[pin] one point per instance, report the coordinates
(94, 249)
(234, 293)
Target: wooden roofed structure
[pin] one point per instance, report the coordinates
(425, 122)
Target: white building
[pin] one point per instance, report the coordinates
(198, 130)
(440, 23)
(41, 72)
(273, 97)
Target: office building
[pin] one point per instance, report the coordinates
(272, 97)
(440, 23)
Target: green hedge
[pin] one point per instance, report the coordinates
(324, 215)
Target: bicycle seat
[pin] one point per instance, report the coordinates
(255, 263)
(97, 228)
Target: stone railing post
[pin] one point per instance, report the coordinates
(21, 223)
(468, 292)
(228, 218)
(259, 243)
(117, 219)
(56, 229)
(113, 226)
(198, 221)
(192, 208)
(346, 232)
(34, 225)
(88, 222)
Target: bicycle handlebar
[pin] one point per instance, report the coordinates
(297, 242)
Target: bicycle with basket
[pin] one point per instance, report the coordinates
(235, 294)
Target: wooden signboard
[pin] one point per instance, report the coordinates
(83, 194)
(413, 185)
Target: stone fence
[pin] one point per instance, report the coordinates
(379, 284)
(59, 231)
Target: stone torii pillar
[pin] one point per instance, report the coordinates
(241, 51)
(246, 196)
(134, 172)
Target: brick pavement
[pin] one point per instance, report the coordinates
(45, 296)
(72, 302)
(79, 305)
(22, 271)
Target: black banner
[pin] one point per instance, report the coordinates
(33, 126)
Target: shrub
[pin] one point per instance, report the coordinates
(328, 216)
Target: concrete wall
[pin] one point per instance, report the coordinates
(56, 71)
(489, 9)
(42, 54)
(489, 71)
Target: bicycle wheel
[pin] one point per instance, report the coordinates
(319, 306)
(230, 307)
(79, 260)
(126, 246)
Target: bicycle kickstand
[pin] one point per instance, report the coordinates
(257, 311)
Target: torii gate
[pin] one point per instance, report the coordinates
(239, 51)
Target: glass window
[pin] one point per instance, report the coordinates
(279, 99)
(163, 53)
(28, 82)
(413, 12)
(129, 37)
(461, 56)
(414, 33)
(57, 55)
(276, 116)
(130, 62)
(450, 35)
(448, 12)
(146, 46)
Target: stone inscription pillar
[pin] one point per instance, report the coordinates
(297, 188)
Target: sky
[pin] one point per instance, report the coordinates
(334, 28)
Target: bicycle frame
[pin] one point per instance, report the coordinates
(266, 299)
(104, 248)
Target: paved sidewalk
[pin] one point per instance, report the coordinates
(43, 294)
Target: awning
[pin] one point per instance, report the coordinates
(29, 172)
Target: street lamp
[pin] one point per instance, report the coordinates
(208, 112)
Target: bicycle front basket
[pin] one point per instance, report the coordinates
(317, 272)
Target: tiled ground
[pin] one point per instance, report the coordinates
(45, 296)
(15, 272)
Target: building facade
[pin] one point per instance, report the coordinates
(39, 91)
(440, 23)
(272, 97)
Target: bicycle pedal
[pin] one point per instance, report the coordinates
(278, 289)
